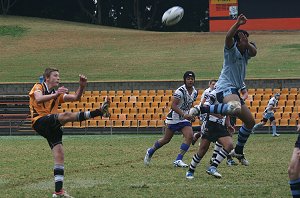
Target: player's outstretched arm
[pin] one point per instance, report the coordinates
(78, 93)
(229, 41)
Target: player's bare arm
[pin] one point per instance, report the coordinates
(39, 97)
(229, 41)
(79, 92)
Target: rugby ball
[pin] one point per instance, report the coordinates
(194, 111)
(172, 16)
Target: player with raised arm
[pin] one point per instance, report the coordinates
(46, 121)
(237, 51)
(178, 119)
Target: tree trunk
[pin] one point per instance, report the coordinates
(137, 13)
(6, 5)
(99, 12)
(150, 23)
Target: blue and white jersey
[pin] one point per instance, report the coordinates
(272, 103)
(234, 69)
(205, 94)
(185, 103)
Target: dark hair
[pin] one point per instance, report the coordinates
(236, 35)
(48, 72)
(189, 74)
(212, 81)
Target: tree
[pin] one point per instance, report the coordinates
(6, 5)
(93, 9)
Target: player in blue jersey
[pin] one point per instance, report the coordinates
(269, 115)
(237, 51)
(178, 119)
(294, 168)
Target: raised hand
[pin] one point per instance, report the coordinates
(241, 20)
(82, 81)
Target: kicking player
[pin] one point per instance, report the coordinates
(178, 119)
(44, 101)
(294, 169)
(269, 115)
(214, 129)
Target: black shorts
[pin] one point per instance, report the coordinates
(214, 131)
(297, 144)
(50, 128)
(222, 94)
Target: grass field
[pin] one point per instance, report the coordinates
(28, 45)
(112, 166)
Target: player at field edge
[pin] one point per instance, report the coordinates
(294, 168)
(178, 119)
(47, 122)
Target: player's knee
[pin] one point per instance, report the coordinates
(64, 117)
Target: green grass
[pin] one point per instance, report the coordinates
(112, 166)
(14, 31)
(112, 54)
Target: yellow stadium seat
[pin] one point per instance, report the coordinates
(122, 116)
(147, 116)
(253, 109)
(276, 91)
(283, 97)
(239, 122)
(290, 103)
(125, 111)
(166, 99)
(284, 91)
(135, 92)
(119, 93)
(143, 93)
(259, 91)
(152, 92)
(95, 93)
(127, 123)
(160, 123)
(112, 93)
(259, 115)
(294, 91)
(168, 92)
(291, 97)
(251, 91)
(102, 123)
(151, 110)
(93, 123)
(133, 111)
(285, 115)
(255, 103)
(264, 103)
(266, 97)
(143, 123)
(156, 116)
(268, 91)
(257, 97)
(283, 122)
(281, 103)
(139, 116)
(103, 93)
(127, 93)
(131, 117)
(157, 98)
(133, 123)
(293, 122)
(152, 123)
(117, 123)
(160, 92)
(294, 115)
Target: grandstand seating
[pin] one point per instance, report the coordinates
(148, 108)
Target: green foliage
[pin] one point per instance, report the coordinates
(14, 31)
(112, 166)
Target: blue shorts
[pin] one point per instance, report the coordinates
(222, 94)
(178, 126)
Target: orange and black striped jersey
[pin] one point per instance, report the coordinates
(44, 108)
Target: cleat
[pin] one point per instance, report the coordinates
(104, 107)
(180, 163)
(213, 171)
(243, 161)
(189, 175)
(147, 158)
(196, 136)
(233, 107)
(236, 155)
(276, 135)
(62, 193)
(231, 162)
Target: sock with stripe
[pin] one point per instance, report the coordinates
(58, 177)
(220, 157)
(183, 149)
(195, 161)
(243, 136)
(295, 188)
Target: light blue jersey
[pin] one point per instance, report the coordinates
(234, 69)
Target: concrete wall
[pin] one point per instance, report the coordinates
(24, 88)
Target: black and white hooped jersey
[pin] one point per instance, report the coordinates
(185, 103)
(272, 103)
(212, 100)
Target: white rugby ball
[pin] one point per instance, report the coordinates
(172, 16)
